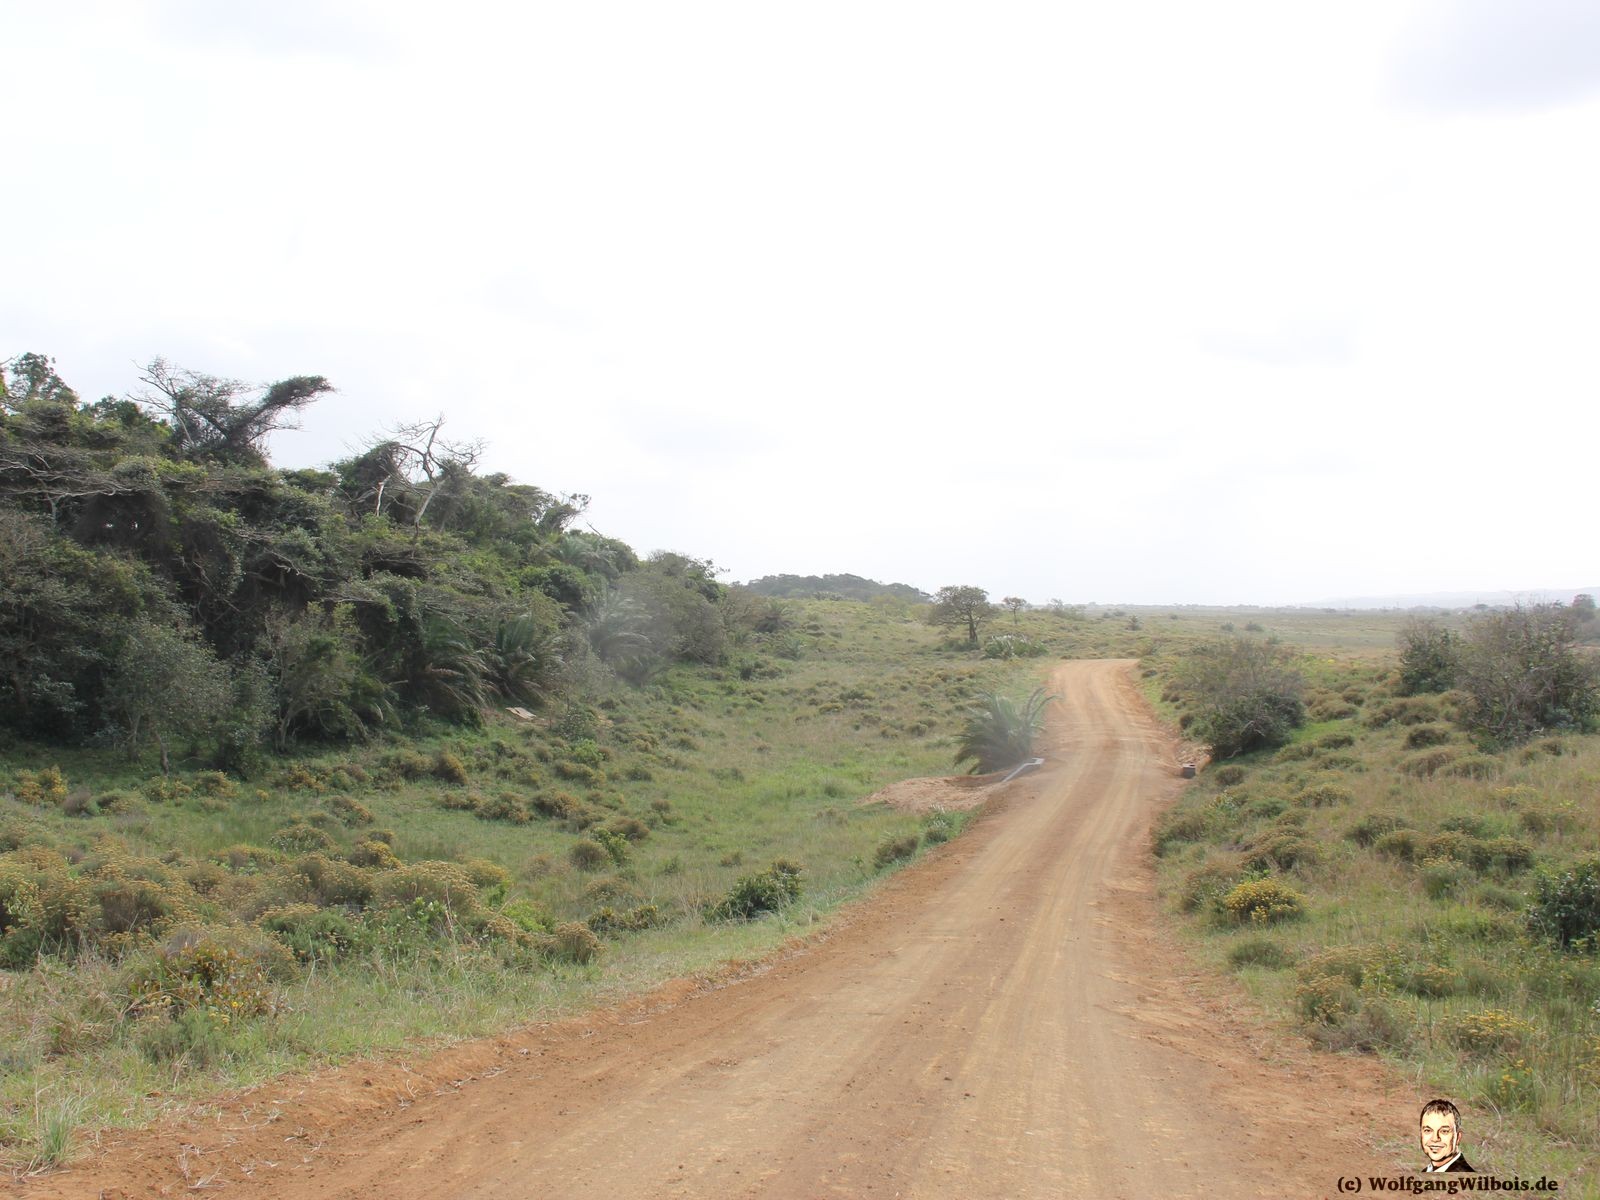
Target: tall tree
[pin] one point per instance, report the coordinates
(957, 607)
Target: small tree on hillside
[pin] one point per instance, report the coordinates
(1016, 604)
(961, 607)
(1429, 657)
(1523, 672)
(1246, 695)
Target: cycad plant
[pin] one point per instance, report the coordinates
(524, 659)
(999, 732)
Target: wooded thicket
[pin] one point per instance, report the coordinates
(162, 583)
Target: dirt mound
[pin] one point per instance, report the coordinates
(932, 795)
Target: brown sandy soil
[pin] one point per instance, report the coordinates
(1006, 1019)
(949, 793)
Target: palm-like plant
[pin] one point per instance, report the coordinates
(524, 658)
(615, 628)
(448, 671)
(999, 732)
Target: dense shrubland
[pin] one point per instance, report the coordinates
(165, 585)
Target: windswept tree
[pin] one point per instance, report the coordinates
(961, 607)
(1015, 604)
(405, 471)
(212, 419)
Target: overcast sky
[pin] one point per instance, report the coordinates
(1138, 302)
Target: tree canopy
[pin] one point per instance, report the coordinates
(961, 607)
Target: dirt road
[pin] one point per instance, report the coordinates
(1003, 1020)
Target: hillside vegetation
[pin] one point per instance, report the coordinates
(1409, 863)
(833, 587)
(264, 804)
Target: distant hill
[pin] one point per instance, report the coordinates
(1493, 599)
(845, 587)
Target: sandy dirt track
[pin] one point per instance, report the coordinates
(1003, 1020)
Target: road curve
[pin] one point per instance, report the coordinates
(1003, 1020)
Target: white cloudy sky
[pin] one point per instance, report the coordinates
(1142, 302)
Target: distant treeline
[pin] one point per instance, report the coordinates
(161, 580)
(833, 587)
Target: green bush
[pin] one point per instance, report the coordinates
(350, 811)
(205, 974)
(1371, 827)
(447, 886)
(1429, 657)
(448, 768)
(588, 855)
(1246, 695)
(575, 942)
(1431, 981)
(301, 837)
(1565, 906)
(374, 854)
(766, 891)
(1227, 775)
(1441, 877)
(1488, 1031)
(1404, 844)
(1279, 849)
(1259, 952)
(1524, 672)
(312, 933)
(615, 844)
(332, 881)
(1373, 1023)
(1180, 825)
(1322, 795)
(1204, 887)
(608, 920)
(1420, 737)
(895, 849)
(1263, 902)
(1505, 854)
(1326, 999)
(194, 1037)
(528, 916)
(1473, 766)
(631, 828)
(504, 806)
(1428, 763)
(1406, 710)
